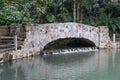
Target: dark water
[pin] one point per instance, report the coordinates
(101, 65)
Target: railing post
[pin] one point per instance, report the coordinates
(15, 42)
(114, 38)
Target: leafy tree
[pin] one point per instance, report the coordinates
(92, 12)
(10, 14)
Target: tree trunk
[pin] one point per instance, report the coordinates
(78, 11)
(74, 10)
(81, 14)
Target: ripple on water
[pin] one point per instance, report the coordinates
(101, 65)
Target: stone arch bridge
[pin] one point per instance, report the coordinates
(39, 35)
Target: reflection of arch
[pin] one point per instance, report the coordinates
(69, 42)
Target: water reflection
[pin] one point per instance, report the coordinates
(10, 71)
(101, 65)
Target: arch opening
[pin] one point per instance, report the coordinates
(67, 43)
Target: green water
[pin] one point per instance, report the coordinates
(101, 65)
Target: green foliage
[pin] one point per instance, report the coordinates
(36, 11)
(114, 24)
(50, 17)
(102, 13)
(94, 12)
(58, 12)
(10, 14)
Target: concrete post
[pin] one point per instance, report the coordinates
(15, 42)
(114, 38)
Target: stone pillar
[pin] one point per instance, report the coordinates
(104, 39)
(114, 41)
(114, 38)
(15, 42)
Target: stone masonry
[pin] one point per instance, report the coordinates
(39, 35)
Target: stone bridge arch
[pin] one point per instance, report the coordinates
(44, 41)
(38, 35)
(69, 42)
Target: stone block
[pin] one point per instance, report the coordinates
(6, 57)
(25, 55)
(1, 61)
(10, 57)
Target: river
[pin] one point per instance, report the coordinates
(99, 65)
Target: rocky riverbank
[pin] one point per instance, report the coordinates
(13, 54)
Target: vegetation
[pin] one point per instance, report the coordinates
(92, 12)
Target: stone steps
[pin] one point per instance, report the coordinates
(6, 49)
(117, 44)
(118, 40)
(118, 37)
(7, 43)
(2, 46)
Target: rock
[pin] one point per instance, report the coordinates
(1, 60)
(10, 57)
(25, 55)
(6, 57)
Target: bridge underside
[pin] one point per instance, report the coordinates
(69, 43)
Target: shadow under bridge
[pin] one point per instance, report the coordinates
(67, 43)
